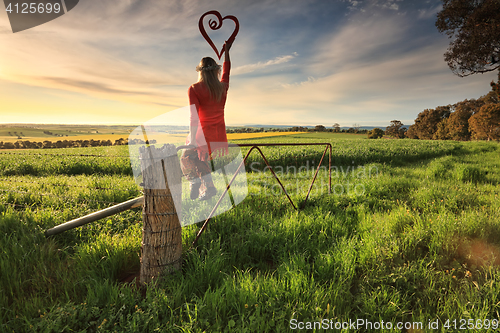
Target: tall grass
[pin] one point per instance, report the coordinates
(419, 243)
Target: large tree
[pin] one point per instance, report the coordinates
(474, 26)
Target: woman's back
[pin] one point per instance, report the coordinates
(207, 106)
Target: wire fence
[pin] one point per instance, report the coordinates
(15, 189)
(65, 155)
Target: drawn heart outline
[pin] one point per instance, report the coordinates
(214, 25)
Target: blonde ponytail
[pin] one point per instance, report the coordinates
(209, 73)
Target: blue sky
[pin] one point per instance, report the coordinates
(293, 62)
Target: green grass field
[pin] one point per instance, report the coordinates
(410, 234)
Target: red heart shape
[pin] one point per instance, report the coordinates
(216, 25)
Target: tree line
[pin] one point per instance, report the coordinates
(26, 144)
(318, 128)
(474, 30)
(476, 119)
(470, 119)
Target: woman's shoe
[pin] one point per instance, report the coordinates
(194, 188)
(209, 193)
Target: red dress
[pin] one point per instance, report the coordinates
(211, 117)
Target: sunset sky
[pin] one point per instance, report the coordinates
(293, 62)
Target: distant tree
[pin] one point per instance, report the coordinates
(336, 128)
(474, 26)
(120, 142)
(375, 133)
(319, 128)
(485, 124)
(412, 132)
(356, 127)
(28, 144)
(396, 129)
(427, 121)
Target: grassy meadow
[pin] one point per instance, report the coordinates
(410, 234)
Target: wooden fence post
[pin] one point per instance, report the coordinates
(161, 250)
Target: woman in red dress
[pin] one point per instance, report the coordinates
(207, 130)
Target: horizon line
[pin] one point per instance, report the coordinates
(136, 125)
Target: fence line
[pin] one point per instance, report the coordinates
(108, 156)
(71, 155)
(32, 182)
(76, 186)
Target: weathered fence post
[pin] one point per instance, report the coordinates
(161, 249)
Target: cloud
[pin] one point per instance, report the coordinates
(92, 86)
(391, 4)
(260, 65)
(366, 38)
(353, 5)
(367, 5)
(425, 14)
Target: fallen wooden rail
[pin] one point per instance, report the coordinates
(133, 203)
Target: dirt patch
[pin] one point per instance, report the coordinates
(479, 252)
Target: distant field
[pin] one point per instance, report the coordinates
(13, 133)
(242, 136)
(16, 133)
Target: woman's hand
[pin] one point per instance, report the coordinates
(227, 47)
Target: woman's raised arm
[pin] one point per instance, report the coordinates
(227, 47)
